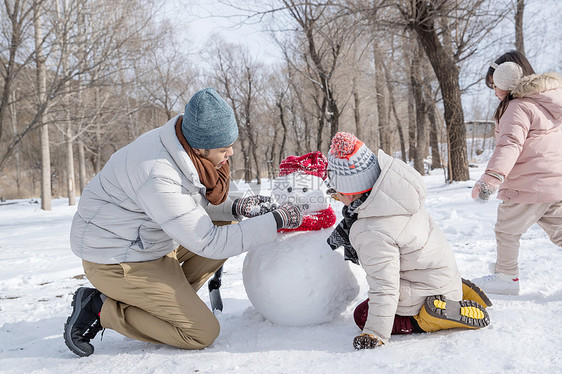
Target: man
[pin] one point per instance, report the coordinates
(164, 188)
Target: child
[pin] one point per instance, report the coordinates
(410, 268)
(526, 164)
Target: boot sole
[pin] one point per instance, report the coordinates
(478, 291)
(76, 307)
(466, 313)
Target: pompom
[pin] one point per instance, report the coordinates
(343, 144)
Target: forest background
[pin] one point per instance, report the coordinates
(82, 78)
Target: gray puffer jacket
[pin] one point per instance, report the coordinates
(404, 253)
(147, 199)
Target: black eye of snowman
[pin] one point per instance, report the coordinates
(290, 189)
(305, 190)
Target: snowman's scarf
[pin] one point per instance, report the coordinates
(340, 236)
(316, 221)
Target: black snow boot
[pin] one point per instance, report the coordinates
(84, 322)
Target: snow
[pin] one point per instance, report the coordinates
(38, 275)
(298, 280)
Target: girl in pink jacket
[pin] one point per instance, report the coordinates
(526, 164)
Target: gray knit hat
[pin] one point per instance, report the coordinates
(507, 75)
(208, 121)
(352, 167)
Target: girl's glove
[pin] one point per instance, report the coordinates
(253, 206)
(485, 187)
(289, 216)
(366, 341)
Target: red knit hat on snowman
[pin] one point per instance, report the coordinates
(313, 163)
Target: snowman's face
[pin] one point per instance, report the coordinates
(300, 188)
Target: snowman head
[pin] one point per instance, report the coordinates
(301, 181)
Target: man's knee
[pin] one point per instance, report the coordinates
(199, 336)
(210, 334)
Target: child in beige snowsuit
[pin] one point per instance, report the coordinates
(411, 271)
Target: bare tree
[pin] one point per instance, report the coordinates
(249, 94)
(279, 103)
(381, 89)
(391, 82)
(239, 78)
(432, 114)
(166, 75)
(420, 111)
(324, 39)
(41, 91)
(17, 17)
(107, 34)
(432, 21)
(519, 43)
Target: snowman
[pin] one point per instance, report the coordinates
(298, 280)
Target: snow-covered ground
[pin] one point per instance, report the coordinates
(39, 273)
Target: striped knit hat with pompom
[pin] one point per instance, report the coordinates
(352, 167)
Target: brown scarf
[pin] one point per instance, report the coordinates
(216, 181)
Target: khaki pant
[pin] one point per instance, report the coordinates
(514, 219)
(156, 301)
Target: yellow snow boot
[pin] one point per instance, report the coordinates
(470, 291)
(438, 313)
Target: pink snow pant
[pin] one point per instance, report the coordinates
(514, 219)
(156, 301)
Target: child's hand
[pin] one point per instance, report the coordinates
(366, 341)
(485, 187)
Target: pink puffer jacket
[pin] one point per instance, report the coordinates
(529, 142)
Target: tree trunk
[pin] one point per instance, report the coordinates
(41, 93)
(333, 114)
(421, 138)
(392, 103)
(447, 73)
(15, 14)
(68, 134)
(321, 122)
(284, 136)
(71, 189)
(82, 164)
(382, 109)
(434, 137)
(519, 44)
(357, 110)
(247, 160)
(13, 116)
(412, 128)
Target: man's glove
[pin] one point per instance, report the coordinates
(485, 187)
(253, 206)
(289, 216)
(366, 341)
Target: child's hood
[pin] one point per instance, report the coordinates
(545, 89)
(399, 190)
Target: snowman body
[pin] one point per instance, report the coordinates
(299, 280)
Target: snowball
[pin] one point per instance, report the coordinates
(298, 280)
